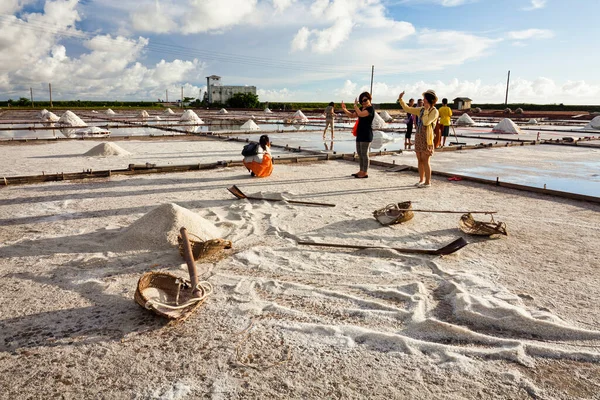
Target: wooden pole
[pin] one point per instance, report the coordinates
(372, 72)
(50, 90)
(507, 82)
(167, 93)
(31, 94)
(182, 97)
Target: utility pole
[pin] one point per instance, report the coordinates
(31, 94)
(167, 93)
(372, 72)
(50, 90)
(507, 82)
(182, 97)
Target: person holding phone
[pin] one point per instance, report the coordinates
(364, 132)
(428, 116)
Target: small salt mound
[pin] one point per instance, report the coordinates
(506, 126)
(268, 111)
(107, 149)
(157, 118)
(532, 121)
(385, 116)
(380, 138)
(168, 111)
(143, 114)
(191, 117)
(250, 126)
(378, 122)
(299, 115)
(594, 124)
(223, 111)
(91, 131)
(70, 119)
(110, 112)
(42, 113)
(94, 112)
(49, 116)
(465, 120)
(158, 229)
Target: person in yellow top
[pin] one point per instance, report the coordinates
(428, 116)
(445, 114)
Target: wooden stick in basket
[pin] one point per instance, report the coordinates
(189, 259)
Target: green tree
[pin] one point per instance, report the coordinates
(243, 100)
(23, 102)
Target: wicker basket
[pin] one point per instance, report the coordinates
(204, 248)
(470, 226)
(394, 213)
(157, 291)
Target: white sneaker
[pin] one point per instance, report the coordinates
(424, 185)
(419, 184)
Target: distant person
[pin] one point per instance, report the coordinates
(410, 119)
(445, 121)
(329, 119)
(260, 164)
(428, 116)
(419, 104)
(364, 132)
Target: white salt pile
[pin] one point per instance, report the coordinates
(378, 122)
(107, 149)
(157, 118)
(49, 116)
(190, 117)
(506, 126)
(223, 111)
(42, 113)
(91, 131)
(143, 114)
(268, 111)
(168, 111)
(70, 119)
(532, 121)
(465, 120)
(110, 112)
(299, 115)
(94, 112)
(250, 126)
(594, 124)
(385, 116)
(380, 138)
(158, 229)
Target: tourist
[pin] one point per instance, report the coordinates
(445, 121)
(329, 119)
(364, 132)
(428, 116)
(410, 119)
(260, 164)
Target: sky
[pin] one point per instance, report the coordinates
(302, 50)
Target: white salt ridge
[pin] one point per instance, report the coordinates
(380, 138)
(465, 119)
(385, 116)
(594, 124)
(532, 121)
(168, 111)
(158, 229)
(250, 126)
(268, 111)
(378, 122)
(157, 118)
(506, 126)
(91, 131)
(107, 149)
(42, 113)
(143, 114)
(70, 119)
(299, 115)
(49, 116)
(191, 117)
(223, 111)
(110, 112)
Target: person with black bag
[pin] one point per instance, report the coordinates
(364, 132)
(257, 157)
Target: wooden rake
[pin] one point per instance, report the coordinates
(240, 195)
(448, 249)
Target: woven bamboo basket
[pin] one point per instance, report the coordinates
(470, 226)
(203, 248)
(394, 213)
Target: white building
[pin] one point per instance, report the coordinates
(217, 93)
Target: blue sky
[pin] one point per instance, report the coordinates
(301, 50)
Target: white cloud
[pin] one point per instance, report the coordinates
(282, 5)
(300, 41)
(276, 95)
(216, 15)
(531, 34)
(12, 6)
(153, 18)
(536, 5)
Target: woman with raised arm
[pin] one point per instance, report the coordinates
(364, 133)
(428, 116)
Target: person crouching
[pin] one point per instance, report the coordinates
(260, 164)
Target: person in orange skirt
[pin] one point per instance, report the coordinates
(261, 164)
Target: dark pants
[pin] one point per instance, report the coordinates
(409, 128)
(362, 149)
